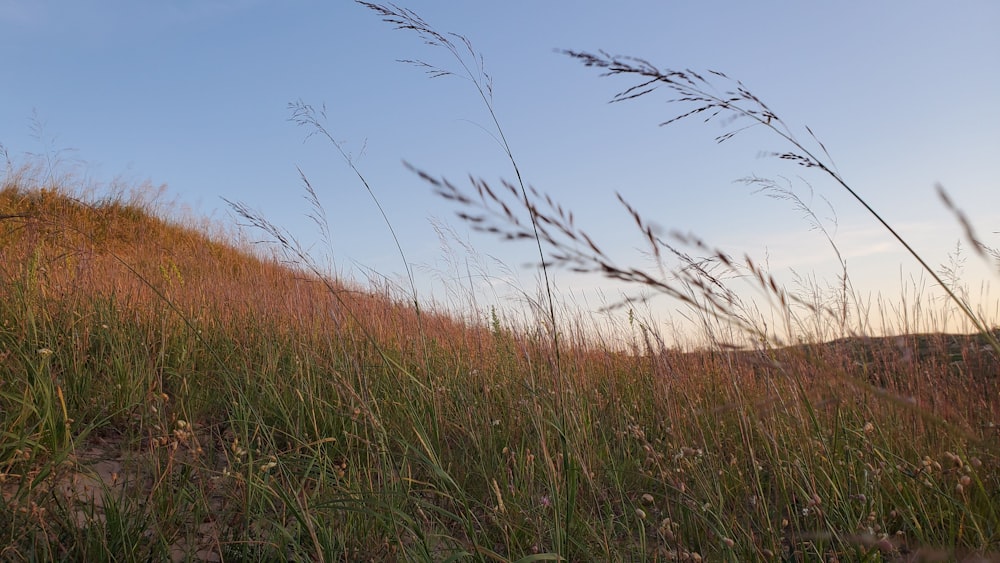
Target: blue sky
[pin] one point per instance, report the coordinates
(194, 95)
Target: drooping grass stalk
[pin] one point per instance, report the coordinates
(475, 72)
(780, 192)
(306, 115)
(699, 282)
(739, 103)
(473, 69)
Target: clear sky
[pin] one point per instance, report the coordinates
(194, 94)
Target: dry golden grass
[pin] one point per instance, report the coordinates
(251, 410)
(75, 250)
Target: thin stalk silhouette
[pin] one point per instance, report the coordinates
(739, 103)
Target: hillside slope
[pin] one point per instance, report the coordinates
(170, 394)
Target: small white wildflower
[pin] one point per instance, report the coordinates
(45, 352)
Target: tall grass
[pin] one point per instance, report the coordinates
(167, 394)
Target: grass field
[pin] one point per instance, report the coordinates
(167, 394)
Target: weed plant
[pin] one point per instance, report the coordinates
(170, 395)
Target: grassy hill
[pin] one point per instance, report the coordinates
(168, 393)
